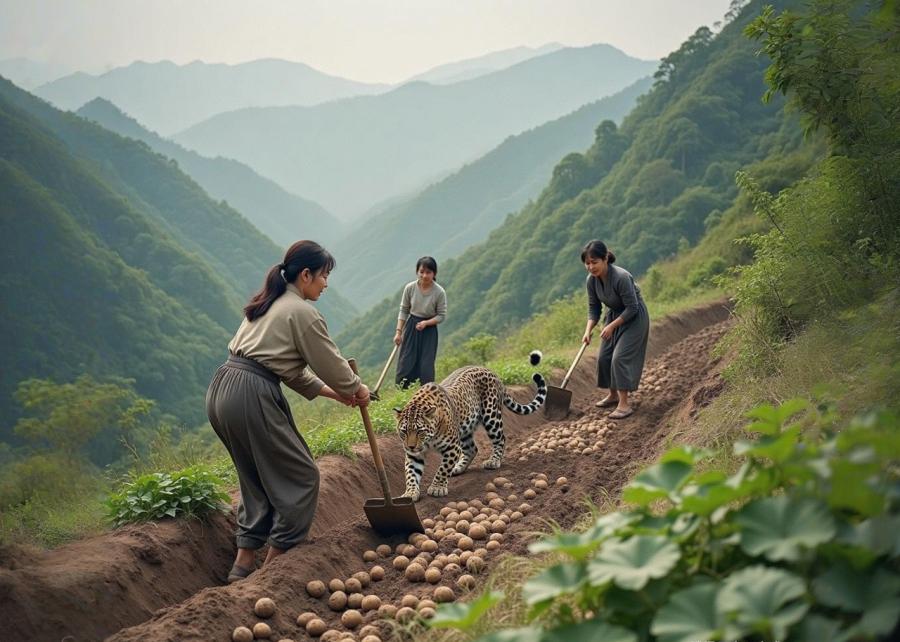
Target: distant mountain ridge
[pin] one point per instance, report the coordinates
(480, 65)
(462, 209)
(28, 74)
(352, 153)
(166, 97)
(282, 216)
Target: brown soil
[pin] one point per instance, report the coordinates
(165, 581)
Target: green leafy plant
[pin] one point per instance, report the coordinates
(798, 544)
(192, 492)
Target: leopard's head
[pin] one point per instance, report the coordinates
(417, 421)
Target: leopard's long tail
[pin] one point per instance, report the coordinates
(539, 397)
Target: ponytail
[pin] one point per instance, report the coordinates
(597, 250)
(300, 256)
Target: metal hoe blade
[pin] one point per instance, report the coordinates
(559, 399)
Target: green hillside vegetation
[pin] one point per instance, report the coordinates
(649, 188)
(349, 154)
(462, 209)
(167, 97)
(280, 215)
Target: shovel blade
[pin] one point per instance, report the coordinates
(399, 517)
(556, 406)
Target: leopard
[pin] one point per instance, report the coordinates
(444, 416)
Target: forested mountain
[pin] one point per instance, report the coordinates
(349, 154)
(462, 209)
(167, 97)
(282, 216)
(647, 188)
(473, 67)
(116, 262)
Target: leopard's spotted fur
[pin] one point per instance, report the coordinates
(444, 416)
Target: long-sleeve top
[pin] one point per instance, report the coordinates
(424, 305)
(290, 336)
(619, 293)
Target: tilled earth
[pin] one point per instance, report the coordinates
(549, 471)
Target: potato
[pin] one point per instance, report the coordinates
(499, 526)
(264, 607)
(409, 600)
(316, 627)
(415, 538)
(370, 556)
(540, 484)
(490, 487)
(452, 569)
(332, 635)
(492, 546)
(369, 629)
(466, 582)
(415, 572)
(530, 494)
(242, 634)
(383, 550)
(336, 585)
(497, 503)
(477, 531)
(305, 618)
(446, 510)
(429, 546)
(410, 551)
(351, 619)
(462, 525)
(432, 575)
(524, 508)
(371, 638)
(376, 573)
(337, 601)
(426, 613)
(444, 594)
(562, 481)
(262, 631)
(401, 562)
(475, 564)
(399, 548)
(285, 640)
(352, 585)
(405, 615)
(354, 600)
(426, 604)
(512, 498)
(465, 543)
(496, 537)
(315, 588)
(464, 557)
(387, 610)
(516, 516)
(371, 603)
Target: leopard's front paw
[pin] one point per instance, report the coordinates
(412, 494)
(460, 468)
(437, 491)
(491, 464)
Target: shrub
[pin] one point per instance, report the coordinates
(192, 492)
(800, 543)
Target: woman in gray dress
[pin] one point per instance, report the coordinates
(423, 306)
(282, 333)
(625, 331)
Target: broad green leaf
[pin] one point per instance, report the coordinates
(763, 600)
(689, 615)
(656, 482)
(781, 527)
(704, 499)
(560, 579)
(635, 603)
(630, 564)
(575, 545)
(685, 454)
(855, 591)
(589, 631)
(851, 488)
(815, 628)
(463, 615)
(524, 634)
(778, 448)
(877, 536)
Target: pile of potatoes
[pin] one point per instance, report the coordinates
(586, 435)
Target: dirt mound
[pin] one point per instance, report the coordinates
(67, 593)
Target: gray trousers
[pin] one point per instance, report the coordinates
(278, 476)
(621, 360)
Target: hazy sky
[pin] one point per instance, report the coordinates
(370, 40)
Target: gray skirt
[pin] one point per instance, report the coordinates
(418, 352)
(278, 476)
(620, 363)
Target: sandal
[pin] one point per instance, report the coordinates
(238, 573)
(607, 402)
(621, 414)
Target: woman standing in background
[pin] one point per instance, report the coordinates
(423, 306)
(627, 329)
